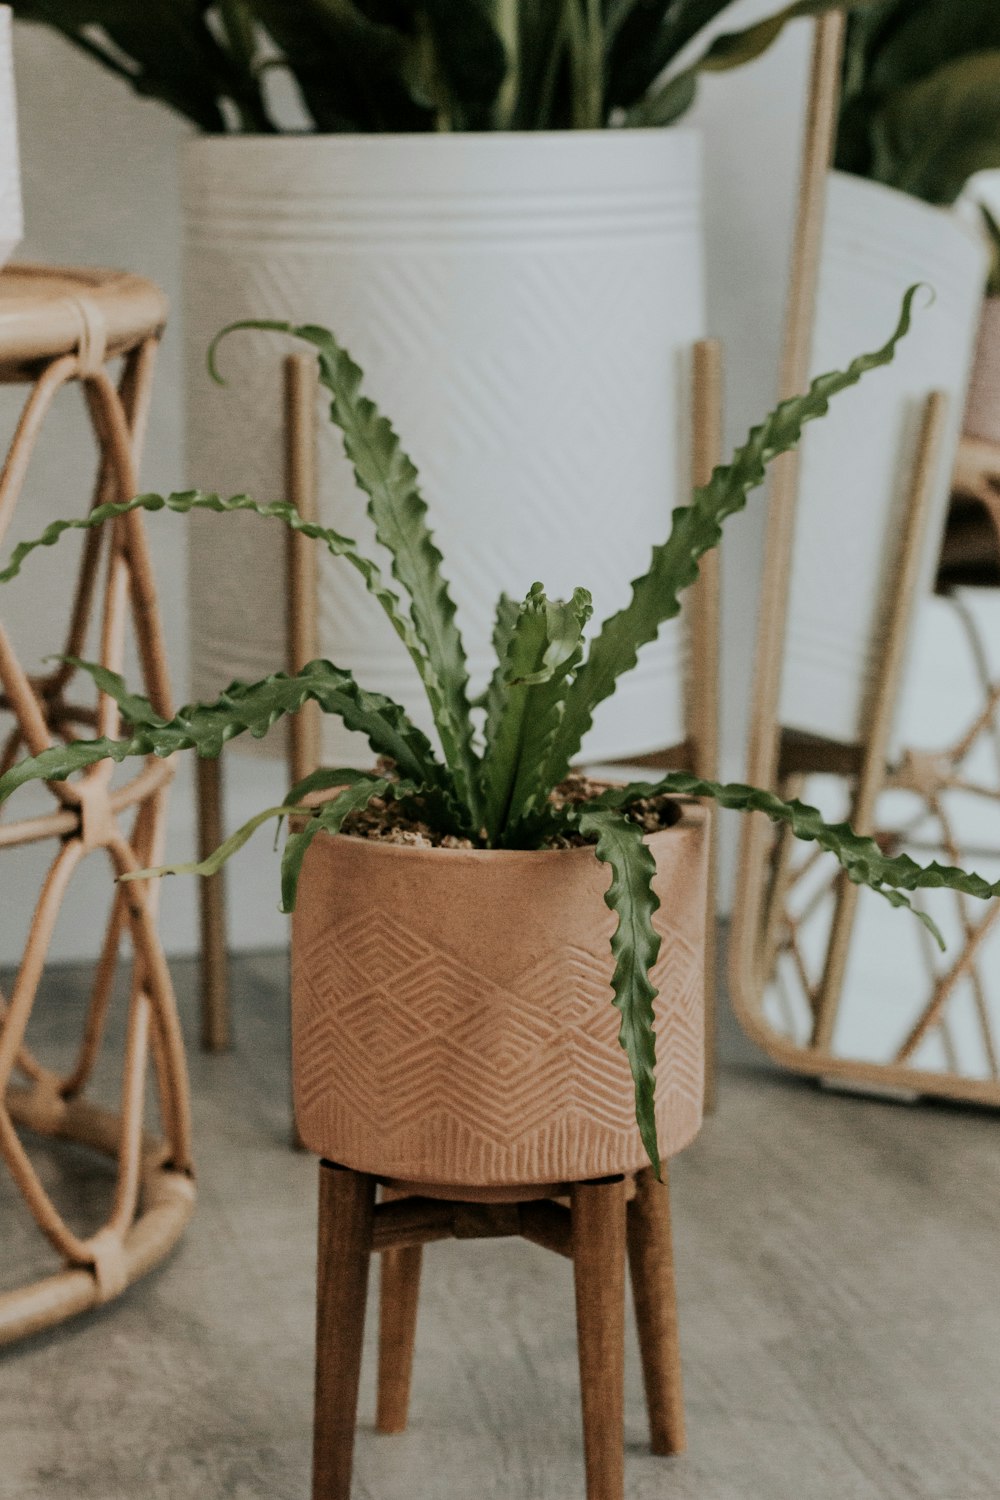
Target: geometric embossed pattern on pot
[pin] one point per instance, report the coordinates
(452, 1016)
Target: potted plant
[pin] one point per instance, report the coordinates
(918, 115)
(438, 182)
(487, 938)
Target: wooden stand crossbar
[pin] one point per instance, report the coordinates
(596, 1225)
(59, 328)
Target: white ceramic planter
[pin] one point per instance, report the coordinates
(856, 462)
(523, 307)
(11, 225)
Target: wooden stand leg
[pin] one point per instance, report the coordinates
(651, 1261)
(346, 1209)
(399, 1295)
(215, 1031)
(599, 1272)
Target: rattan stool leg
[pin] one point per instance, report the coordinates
(599, 1272)
(654, 1290)
(346, 1208)
(399, 1294)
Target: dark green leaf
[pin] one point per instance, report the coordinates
(398, 509)
(863, 860)
(635, 947)
(931, 136)
(696, 529)
(526, 706)
(253, 708)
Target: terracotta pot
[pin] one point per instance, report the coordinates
(452, 1014)
(982, 410)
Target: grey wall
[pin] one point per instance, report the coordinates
(100, 185)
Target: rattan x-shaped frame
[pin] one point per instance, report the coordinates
(59, 329)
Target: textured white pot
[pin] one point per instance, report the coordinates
(523, 307)
(856, 463)
(11, 225)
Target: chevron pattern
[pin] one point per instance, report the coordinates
(411, 1062)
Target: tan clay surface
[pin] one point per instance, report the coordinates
(452, 1015)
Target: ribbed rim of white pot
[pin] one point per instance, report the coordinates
(557, 164)
(856, 205)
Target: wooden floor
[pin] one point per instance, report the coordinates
(839, 1268)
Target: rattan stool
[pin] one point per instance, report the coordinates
(601, 1223)
(59, 327)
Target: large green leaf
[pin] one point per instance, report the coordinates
(862, 859)
(931, 136)
(243, 708)
(467, 60)
(389, 478)
(696, 529)
(644, 38)
(663, 105)
(329, 818)
(635, 947)
(166, 51)
(187, 500)
(351, 70)
(525, 705)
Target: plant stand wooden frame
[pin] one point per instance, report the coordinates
(698, 752)
(766, 926)
(596, 1225)
(59, 327)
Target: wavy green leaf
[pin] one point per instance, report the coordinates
(544, 646)
(389, 479)
(696, 529)
(635, 947)
(329, 818)
(185, 501)
(862, 859)
(663, 105)
(244, 708)
(213, 863)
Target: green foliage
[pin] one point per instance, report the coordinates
(493, 787)
(921, 106)
(635, 947)
(413, 65)
(993, 234)
(397, 508)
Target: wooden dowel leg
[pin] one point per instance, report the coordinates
(599, 1273)
(346, 1210)
(399, 1294)
(215, 1029)
(654, 1289)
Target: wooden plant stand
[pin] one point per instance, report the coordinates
(596, 1226)
(59, 327)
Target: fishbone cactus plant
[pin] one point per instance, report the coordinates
(494, 786)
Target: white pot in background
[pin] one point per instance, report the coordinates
(856, 462)
(11, 224)
(523, 307)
